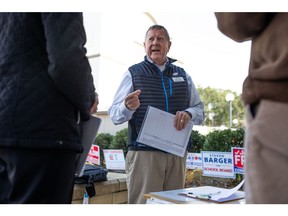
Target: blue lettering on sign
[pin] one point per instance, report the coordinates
(218, 160)
(239, 171)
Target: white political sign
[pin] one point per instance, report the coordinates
(94, 155)
(217, 164)
(114, 159)
(194, 161)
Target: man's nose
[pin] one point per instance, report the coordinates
(155, 42)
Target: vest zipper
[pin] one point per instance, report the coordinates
(171, 86)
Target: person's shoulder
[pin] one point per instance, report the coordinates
(178, 68)
(136, 65)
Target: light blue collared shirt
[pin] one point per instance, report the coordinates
(119, 113)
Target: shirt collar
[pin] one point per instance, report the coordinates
(161, 67)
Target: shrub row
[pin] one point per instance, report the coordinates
(218, 140)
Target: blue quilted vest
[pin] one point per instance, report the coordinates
(167, 90)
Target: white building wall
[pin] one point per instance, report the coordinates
(107, 125)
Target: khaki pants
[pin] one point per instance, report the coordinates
(266, 154)
(151, 171)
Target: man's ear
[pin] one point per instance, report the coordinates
(169, 45)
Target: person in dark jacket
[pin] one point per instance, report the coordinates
(156, 82)
(46, 89)
(265, 96)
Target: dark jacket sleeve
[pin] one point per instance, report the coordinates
(68, 65)
(242, 26)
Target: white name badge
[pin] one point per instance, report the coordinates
(178, 79)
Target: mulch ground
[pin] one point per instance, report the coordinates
(194, 178)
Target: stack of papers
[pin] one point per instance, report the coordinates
(215, 193)
(158, 131)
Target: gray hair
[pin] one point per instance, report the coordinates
(160, 27)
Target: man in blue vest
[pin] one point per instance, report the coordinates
(158, 83)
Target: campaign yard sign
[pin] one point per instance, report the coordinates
(194, 161)
(94, 155)
(217, 164)
(238, 159)
(114, 159)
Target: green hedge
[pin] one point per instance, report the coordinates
(224, 140)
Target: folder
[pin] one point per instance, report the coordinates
(89, 133)
(158, 131)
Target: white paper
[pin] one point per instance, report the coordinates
(214, 193)
(158, 131)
